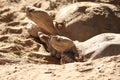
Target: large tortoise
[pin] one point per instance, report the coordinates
(78, 21)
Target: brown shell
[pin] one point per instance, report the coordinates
(84, 20)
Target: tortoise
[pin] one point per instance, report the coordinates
(78, 21)
(62, 48)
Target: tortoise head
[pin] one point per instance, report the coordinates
(41, 18)
(43, 37)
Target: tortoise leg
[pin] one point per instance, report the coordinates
(81, 56)
(62, 60)
(78, 55)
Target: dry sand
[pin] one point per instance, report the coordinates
(23, 57)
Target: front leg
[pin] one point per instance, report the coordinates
(62, 59)
(79, 54)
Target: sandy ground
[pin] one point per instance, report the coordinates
(101, 69)
(23, 57)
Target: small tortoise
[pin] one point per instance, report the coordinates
(78, 21)
(63, 47)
